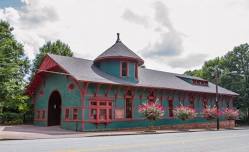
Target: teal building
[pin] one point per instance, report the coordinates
(104, 93)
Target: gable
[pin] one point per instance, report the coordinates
(48, 65)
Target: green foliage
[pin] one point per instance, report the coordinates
(14, 66)
(57, 47)
(234, 74)
(11, 118)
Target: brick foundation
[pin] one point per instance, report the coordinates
(223, 124)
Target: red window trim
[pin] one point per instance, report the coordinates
(71, 114)
(132, 106)
(107, 107)
(40, 115)
(121, 69)
(67, 115)
(75, 114)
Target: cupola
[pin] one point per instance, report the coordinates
(119, 61)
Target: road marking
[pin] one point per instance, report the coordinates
(146, 145)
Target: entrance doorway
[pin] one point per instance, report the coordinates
(54, 109)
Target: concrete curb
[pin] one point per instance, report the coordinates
(103, 134)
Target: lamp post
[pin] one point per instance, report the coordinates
(216, 99)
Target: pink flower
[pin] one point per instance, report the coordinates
(184, 112)
(231, 114)
(211, 113)
(151, 110)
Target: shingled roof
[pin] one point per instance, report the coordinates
(119, 50)
(84, 70)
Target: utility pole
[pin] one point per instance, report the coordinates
(216, 99)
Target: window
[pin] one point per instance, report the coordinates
(192, 102)
(151, 97)
(75, 114)
(94, 114)
(227, 104)
(102, 114)
(181, 100)
(205, 103)
(124, 69)
(171, 107)
(100, 110)
(67, 111)
(38, 114)
(128, 108)
(110, 114)
(136, 71)
(43, 114)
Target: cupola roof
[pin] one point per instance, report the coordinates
(119, 51)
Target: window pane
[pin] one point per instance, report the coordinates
(136, 70)
(94, 103)
(124, 69)
(102, 114)
(128, 106)
(67, 114)
(171, 107)
(75, 114)
(43, 114)
(110, 113)
(110, 104)
(102, 103)
(94, 114)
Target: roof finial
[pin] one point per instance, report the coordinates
(118, 39)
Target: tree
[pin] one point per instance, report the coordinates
(234, 74)
(237, 61)
(57, 47)
(13, 67)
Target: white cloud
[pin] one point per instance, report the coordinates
(135, 18)
(187, 62)
(162, 15)
(169, 42)
(152, 29)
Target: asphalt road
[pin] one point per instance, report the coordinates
(210, 141)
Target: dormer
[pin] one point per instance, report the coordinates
(194, 80)
(119, 61)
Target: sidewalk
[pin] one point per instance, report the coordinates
(25, 132)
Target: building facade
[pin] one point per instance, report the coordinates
(104, 94)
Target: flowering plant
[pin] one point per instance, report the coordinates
(184, 113)
(231, 114)
(151, 110)
(210, 113)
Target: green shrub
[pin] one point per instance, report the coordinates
(11, 118)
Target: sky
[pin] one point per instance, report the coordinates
(170, 35)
